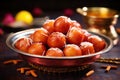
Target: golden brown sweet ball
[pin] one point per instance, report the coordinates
(54, 52)
(97, 42)
(75, 35)
(72, 50)
(87, 48)
(56, 39)
(37, 48)
(40, 35)
(49, 25)
(62, 24)
(23, 44)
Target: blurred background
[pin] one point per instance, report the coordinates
(53, 8)
(53, 5)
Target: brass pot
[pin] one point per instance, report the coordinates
(100, 20)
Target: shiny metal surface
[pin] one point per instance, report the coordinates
(100, 20)
(56, 61)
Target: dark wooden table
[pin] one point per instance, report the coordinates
(9, 72)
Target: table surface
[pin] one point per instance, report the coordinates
(9, 72)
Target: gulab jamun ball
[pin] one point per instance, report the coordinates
(23, 44)
(56, 39)
(97, 42)
(49, 25)
(72, 50)
(75, 24)
(75, 35)
(86, 34)
(37, 48)
(54, 52)
(87, 48)
(62, 24)
(60, 37)
(40, 35)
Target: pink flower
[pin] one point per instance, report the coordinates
(68, 12)
(8, 19)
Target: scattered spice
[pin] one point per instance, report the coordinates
(22, 69)
(12, 61)
(107, 68)
(109, 60)
(32, 72)
(113, 59)
(112, 66)
(90, 73)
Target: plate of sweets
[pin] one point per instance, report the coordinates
(59, 44)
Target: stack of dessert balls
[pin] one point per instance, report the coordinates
(60, 37)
